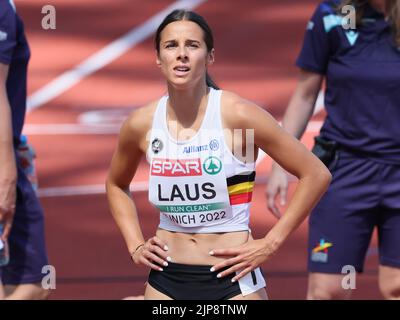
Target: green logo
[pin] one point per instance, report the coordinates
(212, 165)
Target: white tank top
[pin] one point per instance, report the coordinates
(198, 185)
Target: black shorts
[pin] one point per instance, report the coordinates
(194, 282)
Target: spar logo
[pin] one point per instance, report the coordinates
(212, 165)
(176, 167)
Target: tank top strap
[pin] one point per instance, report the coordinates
(159, 114)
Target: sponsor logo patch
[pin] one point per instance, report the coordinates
(320, 252)
(214, 144)
(176, 168)
(156, 145)
(191, 149)
(212, 165)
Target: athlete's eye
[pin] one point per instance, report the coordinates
(170, 45)
(193, 45)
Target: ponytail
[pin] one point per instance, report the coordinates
(210, 82)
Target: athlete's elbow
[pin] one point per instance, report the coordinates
(323, 176)
(113, 186)
(110, 185)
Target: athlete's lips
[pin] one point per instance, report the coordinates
(181, 70)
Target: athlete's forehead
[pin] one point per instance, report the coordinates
(182, 30)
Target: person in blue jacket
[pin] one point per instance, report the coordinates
(359, 142)
(20, 211)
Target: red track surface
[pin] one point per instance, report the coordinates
(256, 45)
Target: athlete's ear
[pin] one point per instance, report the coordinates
(211, 57)
(158, 62)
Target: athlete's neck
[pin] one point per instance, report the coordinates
(185, 104)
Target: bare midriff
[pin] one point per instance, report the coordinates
(189, 248)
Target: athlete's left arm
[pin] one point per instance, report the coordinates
(292, 155)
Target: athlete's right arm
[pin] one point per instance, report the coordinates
(123, 167)
(295, 120)
(8, 170)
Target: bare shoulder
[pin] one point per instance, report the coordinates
(133, 133)
(140, 120)
(238, 112)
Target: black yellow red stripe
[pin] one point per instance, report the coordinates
(240, 188)
(239, 178)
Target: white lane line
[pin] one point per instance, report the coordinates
(99, 129)
(71, 129)
(313, 126)
(103, 57)
(86, 190)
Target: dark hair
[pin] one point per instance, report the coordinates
(180, 15)
(393, 7)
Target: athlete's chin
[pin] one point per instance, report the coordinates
(180, 83)
(185, 83)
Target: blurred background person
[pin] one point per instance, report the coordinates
(21, 216)
(359, 142)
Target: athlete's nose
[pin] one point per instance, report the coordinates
(182, 53)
